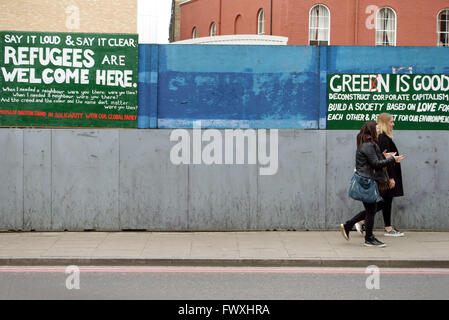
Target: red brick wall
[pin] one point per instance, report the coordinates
(248, 11)
(416, 20)
(342, 21)
(200, 14)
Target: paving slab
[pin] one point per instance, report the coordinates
(281, 249)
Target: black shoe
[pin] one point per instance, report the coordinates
(344, 231)
(373, 242)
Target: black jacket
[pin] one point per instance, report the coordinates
(394, 171)
(369, 161)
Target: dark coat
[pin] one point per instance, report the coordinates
(394, 171)
(369, 161)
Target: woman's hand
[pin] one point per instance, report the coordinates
(388, 154)
(392, 183)
(398, 158)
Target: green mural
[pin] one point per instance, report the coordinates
(416, 101)
(68, 79)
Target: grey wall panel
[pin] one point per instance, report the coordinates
(425, 174)
(340, 164)
(294, 198)
(223, 196)
(37, 179)
(153, 191)
(11, 179)
(85, 179)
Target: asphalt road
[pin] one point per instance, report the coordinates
(190, 283)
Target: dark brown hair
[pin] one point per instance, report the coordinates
(368, 133)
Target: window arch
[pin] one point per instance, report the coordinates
(261, 22)
(386, 27)
(443, 28)
(195, 32)
(238, 24)
(319, 25)
(213, 29)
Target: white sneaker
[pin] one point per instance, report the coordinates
(360, 227)
(393, 233)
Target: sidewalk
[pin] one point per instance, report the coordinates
(255, 249)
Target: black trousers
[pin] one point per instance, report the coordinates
(386, 210)
(369, 213)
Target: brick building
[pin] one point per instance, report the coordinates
(328, 22)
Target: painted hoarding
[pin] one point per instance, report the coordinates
(416, 101)
(68, 79)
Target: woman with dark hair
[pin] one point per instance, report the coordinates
(369, 163)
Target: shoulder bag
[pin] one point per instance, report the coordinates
(364, 189)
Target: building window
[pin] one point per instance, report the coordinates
(213, 29)
(195, 33)
(237, 24)
(386, 27)
(443, 28)
(319, 25)
(261, 22)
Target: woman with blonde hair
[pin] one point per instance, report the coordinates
(385, 124)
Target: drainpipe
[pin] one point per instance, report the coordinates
(271, 17)
(219, 19)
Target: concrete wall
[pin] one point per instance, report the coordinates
(57, 179)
